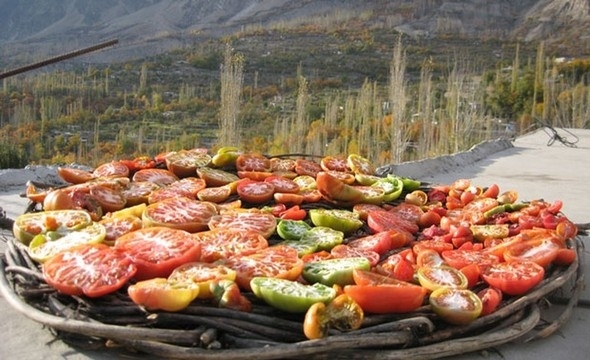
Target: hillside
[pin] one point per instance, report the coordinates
(39, 28)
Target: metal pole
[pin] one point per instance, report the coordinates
(58, 58)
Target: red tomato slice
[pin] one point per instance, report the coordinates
(167, 193)
(158, 176)
(216, 194)
(92, 270)
(282, 165)
(407, 211)
(180, 213)
(113, 168)
(307, 167)
(255, 192)
(118, 226)
(216, 177)
(184, 163)
(157, 251)
(437, 245)
(253, 162)
(334, 163)
(264, 223)
(254, 175)
(381, 220)
(138, 192)
(283, 184)
(490, 299)
(223, 243)
(345, 251)
(397, 266)
(514, 278)
(190, 185)
(276, 261)
(541, 251)
(109, 199)
(142, 162)
(288, 198)
(316, 256)
(461, 258)
(374, 293)
(380, 242)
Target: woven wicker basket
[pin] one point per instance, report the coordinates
(204, 332)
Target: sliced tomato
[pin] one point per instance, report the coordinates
(116, 227)
(337, 219)
(376, 293)
(201, 275)
(380, 242)
(461, 258)
(162, 294)
(253, 162)
(335, 190)
(437, 245)
(156, 251)
(490, 299)
(184, 163)
(262, 222)
(138, 163)
(360, 165)
(223, 243)
(289, 198)
(138, 192)
(307, 167)
(282, 165)
(290, 296)
(189, 185)
(346, 251)
(215, 194)
(280, 262)
(166, 193)
(180, 213)
(565, 257)
(293, 213)
(283, 184)
(410, 212)
(542, 251)
(158, 176)
(74, 176)
(92, 270)
(381, 220)
(216, 177)
(109, 199)
(514, 278)
(455, 306)
(434, 277)
(255, 192)
(113, 168)
(397, 266)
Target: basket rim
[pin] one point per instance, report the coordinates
(526, 327)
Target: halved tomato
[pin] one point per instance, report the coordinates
(455, 306)
(216, 177)
(380, 242)
(283, 184)
(27, 226)
(92, 270)
(382, 220)
(138, 192)
(117, 226)
(223, 243)
(275, 261)
(202, 275)
(381, 294)
(253, 162)
(346, 251)
(184, 163)
(113, 168)
(360, 165)
(255, 192)
(460, 258)
(156, 251)
(158, 176)
(215, 194)
(262, 222)
(180, 213)
(74, 175)
(514, 278)
(108, 198)
(398, 267)
(434, 277)
(307, 167)
(335, 190)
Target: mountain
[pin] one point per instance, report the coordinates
(37, 28)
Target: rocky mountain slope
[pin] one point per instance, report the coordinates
(33, 28)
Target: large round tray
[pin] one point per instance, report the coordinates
(205, 332)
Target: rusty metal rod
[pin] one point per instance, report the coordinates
(58, 58)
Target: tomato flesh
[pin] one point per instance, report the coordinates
(514, 278)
